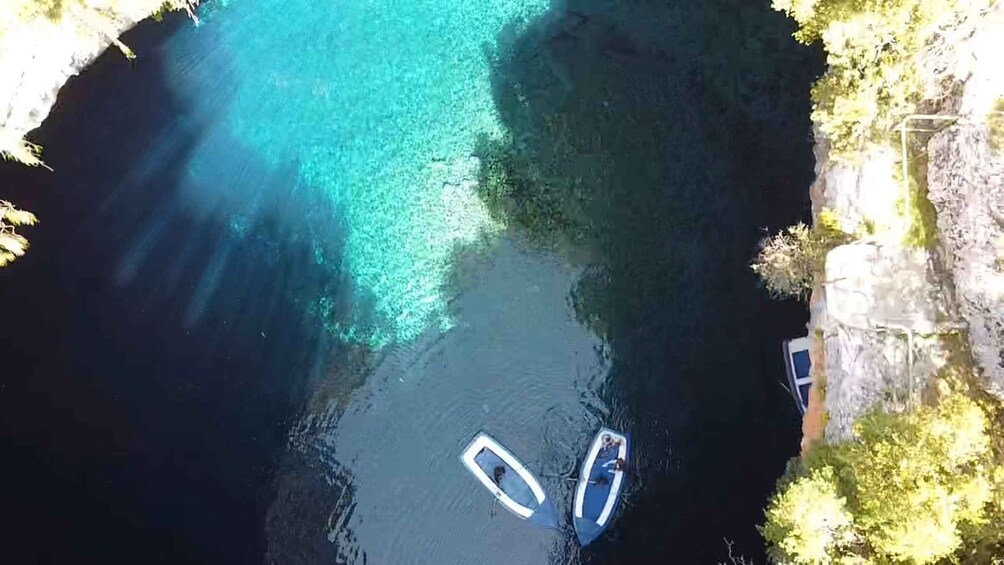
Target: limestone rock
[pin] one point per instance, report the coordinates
(38, 57)
(966, 185)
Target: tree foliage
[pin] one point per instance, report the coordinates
(789, 261)
(919, 487)
(808, 522)
(13, 244)
(995, 124)
(872, 48)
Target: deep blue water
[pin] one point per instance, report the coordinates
(265, 309)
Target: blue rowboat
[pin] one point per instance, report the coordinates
(517, 488)
(597, 494)
(798, 368)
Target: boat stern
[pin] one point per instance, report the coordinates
(587, 531)
(545, 516)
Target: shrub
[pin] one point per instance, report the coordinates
(918, 477)
(919, 487)
(872, 47)
(995, 123)
(808, 521)
(12, 244)
(789, 262)
(13, 148)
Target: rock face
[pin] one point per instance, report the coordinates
(966, 185)
(879, 318)
(883, 305)
(874, 317)
(38, 57)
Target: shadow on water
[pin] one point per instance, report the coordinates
(653, 142)
(154, 352)
(157, 347)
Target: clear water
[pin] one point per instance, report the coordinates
(529, 374)
(376, 106)
(265, 310)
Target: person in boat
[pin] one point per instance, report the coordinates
(498, 473)
(608, 446)
(615, 465)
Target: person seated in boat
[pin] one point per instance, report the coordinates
(608, 446)
(498, 473)
(615, 465)
(601, 480)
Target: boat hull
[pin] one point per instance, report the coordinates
(519, 490)
(597, 494)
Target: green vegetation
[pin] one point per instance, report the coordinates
(922, 217)
(926, 485)
(918, 487)
(872, 48)
(13, 244)
(514, 190)
(995, 123)
(808, 521)
(13, 148)
(790, 261)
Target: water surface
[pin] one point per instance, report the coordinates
(267, 305)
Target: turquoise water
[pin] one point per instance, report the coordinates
(376, 105)
(168, 400)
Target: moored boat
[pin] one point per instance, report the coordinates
(509, 481)
(797, 367)
(601, 480)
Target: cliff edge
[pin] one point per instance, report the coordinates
(919, 282)
(40, 49)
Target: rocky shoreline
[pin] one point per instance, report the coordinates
(39, 56)
(885, 318)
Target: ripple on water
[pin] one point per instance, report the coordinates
(530, 367)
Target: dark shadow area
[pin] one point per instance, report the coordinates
(308, 520)
(657, 142)
(153, 356)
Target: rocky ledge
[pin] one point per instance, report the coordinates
(881, 316)
(38, 56)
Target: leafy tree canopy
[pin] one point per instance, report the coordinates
(919, 487)
(872, 48)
